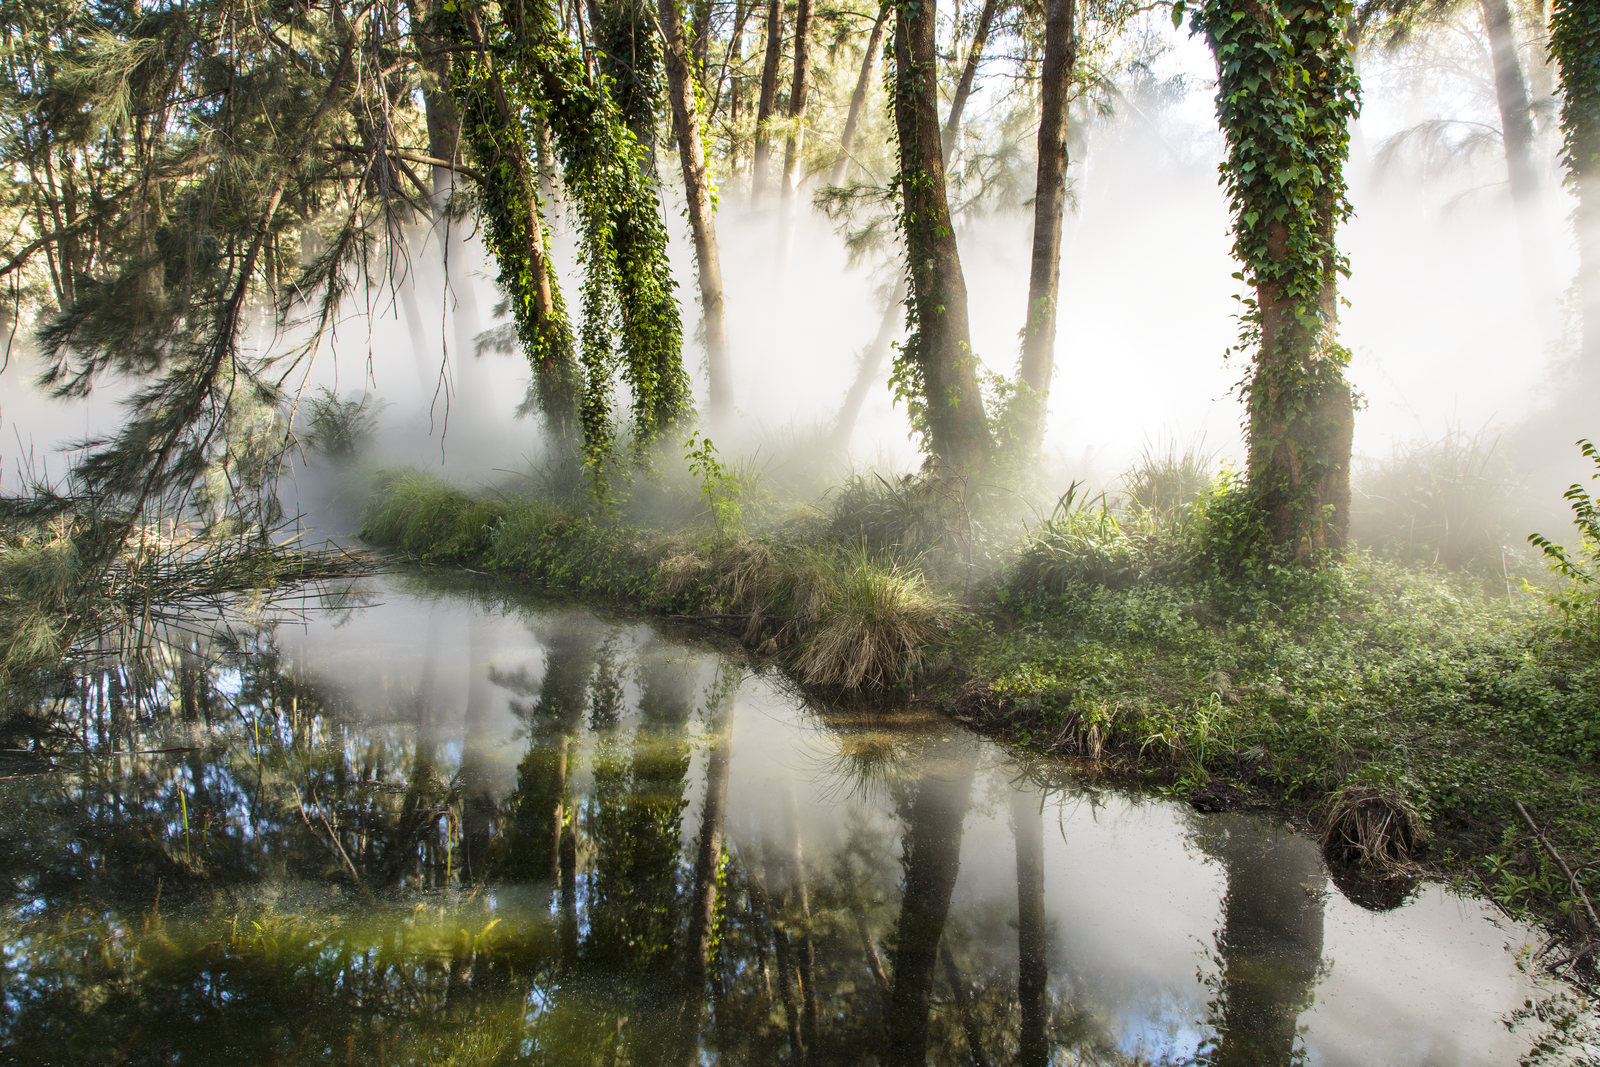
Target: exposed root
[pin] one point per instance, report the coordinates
(1373, 828)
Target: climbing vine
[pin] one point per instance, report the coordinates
(1575, 43)
(1287, 90)
(631, 328)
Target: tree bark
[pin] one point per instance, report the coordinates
(858, 99)
(945, 395)
(931, 855)
(1027, 823)
(795, 143)
(761, 162)
(1516, 116)
(702, 222)
(1049, 215)
(958, 100)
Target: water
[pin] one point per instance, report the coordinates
(446, 826)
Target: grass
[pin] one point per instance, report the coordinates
(1402, 708)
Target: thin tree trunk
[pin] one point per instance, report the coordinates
(867, 372)
(702, 222)
(1049, 212)
(958, 101)
(931, 855)
(1511, 93)
(731, 57)
(1027, 822)
(700, 47)
(950, 405)
(858, 100)
(795, 144)
(478, 808)
(762, 160)
(703, 903)
(773, 903)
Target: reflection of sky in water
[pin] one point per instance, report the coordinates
(1134, 896)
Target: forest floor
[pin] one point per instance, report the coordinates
(1403, 709)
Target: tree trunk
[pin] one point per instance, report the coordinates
(931, 854)
(1049, 214)
(969, 1018)
(1286, 92)
(1516, 117)
(858, 100)
(703, 904)
(516, 235)
(980, 37)
(1027, 821)
(941, 369)
(731, 57)
(795, 144)
(700, 47)
(762, 160)
(702, 223)
(630, 57)
(1575, 40)
(867, 372)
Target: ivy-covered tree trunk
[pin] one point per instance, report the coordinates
(937, 371)
(1049, 213)
(761, 162)
(1286, 93)
(858, 99)
(1575, 40)
(702, 222)
(630, 57)
(514, 230)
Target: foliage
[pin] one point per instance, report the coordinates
(1575, 43)
(338, 428)
(1582, 570)
(719, 483)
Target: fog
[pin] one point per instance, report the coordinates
(1454, 312)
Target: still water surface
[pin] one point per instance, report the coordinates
(437, 825)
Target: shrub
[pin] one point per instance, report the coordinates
(1582, 570)
(429, 519)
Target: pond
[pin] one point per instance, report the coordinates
(444, 824)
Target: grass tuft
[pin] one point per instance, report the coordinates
(872, 631)
(1371, 827)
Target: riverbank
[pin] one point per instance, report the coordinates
(1438, 700)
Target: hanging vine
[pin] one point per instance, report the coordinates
(631, 328)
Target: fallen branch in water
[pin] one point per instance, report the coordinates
(1572, 879)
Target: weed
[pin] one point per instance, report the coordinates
(871, 632)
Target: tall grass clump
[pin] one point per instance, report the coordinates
(430, 519)
(1166, 481)
(1448, 502)
(876, 622)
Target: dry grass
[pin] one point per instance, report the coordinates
(1371, 827)
(872, 631)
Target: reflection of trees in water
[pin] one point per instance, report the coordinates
(649, 951)
(1270, 944)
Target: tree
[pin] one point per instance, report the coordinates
(702, 221)
(936, 370)
(762, 159)
(858, 99)
(1049, 212)
(1286, 92)
(798, 89)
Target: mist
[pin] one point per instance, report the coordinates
(1454, 306)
